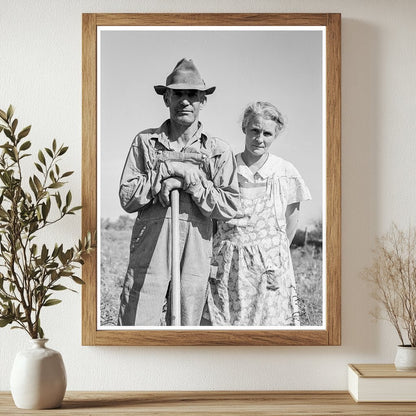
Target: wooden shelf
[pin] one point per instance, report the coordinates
(212, 403)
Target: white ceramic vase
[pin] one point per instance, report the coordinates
(405, 358)
(38, 378)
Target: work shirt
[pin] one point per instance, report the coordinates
(147, 165)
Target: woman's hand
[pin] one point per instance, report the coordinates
(167, 186)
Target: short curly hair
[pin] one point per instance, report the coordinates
(265, 110)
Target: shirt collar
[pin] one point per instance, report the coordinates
(264, 172)
(267, 169)
(162, 135)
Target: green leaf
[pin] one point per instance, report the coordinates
(52, 176)
(62, 257)
(62, 150)
(3, 115)
(54, 251)
(25, 145)
(14, 125)
(39, 167)
(54, 145)
(10, 112)
(59, 287)
(51, 302)
(67, 273)
(44, 253)
(45, 211)
(37, 183)
(40, 331)
(77, 208)
(8, 134)
(67, 174)
(34, 249)
(41, 157)
(5, 321)
(33, 226)
(60, 249)
(56, 185)
(54, 276)
(24, 132)
(58, 199)
(49, 152)
(68, 198)
(78, 280)
(33, 187)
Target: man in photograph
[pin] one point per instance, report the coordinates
(177, 155)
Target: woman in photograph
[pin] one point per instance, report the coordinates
(252, 281)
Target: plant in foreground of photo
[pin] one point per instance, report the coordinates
(31, 273)
(393, 276)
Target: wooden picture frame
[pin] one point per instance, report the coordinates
(330, 334)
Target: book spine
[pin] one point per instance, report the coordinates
(353, 381)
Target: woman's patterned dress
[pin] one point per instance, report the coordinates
(252, 282)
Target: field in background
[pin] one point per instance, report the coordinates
(307, 264)
(115, 242)
(114, 259)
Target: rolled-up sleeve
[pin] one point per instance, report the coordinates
(219, 198)
(136, 179)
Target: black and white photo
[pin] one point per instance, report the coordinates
(281, 66)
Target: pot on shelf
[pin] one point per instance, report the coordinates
(38, 377)
(405, 358)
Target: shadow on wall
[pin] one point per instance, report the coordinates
(361, 86)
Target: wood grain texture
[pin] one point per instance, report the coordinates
(380, 371)
(333, 221)
(212, 403)
(332, 334)
(212, 19)
(211, 337)
(89, 172)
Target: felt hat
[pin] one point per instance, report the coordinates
(184, 76)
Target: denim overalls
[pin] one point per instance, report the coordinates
(148, 275)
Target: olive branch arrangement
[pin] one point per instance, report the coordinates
(393, 276)
(30, 274)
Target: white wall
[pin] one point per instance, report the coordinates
(40, 73)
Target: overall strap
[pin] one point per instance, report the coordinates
(274, 193)
(270, 187)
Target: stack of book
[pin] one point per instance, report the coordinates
(381, 383)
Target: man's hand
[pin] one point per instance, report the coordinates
(167, 186)
(190, 173)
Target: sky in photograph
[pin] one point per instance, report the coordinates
(280, 66)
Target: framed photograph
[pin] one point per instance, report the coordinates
(252, 254)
